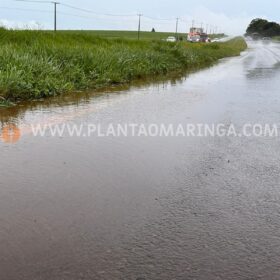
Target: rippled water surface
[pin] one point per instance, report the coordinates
(148, 208)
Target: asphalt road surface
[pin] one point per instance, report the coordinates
(149, 208)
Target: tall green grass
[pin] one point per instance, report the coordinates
(144, 35)
(36, 64)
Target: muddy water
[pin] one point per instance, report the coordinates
(148, 207)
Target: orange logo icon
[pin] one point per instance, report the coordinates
(10, 134)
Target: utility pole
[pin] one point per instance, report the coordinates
(207, 28)
(50, 2)
(177, 22)
(139, 25)
(55, 15)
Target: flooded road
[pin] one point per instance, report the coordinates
(148, 207)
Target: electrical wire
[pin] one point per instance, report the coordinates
(160, 19)
(87, 17)
(92, 12)
(26, 10)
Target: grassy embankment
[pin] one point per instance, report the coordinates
(277, 38)
(40, 64)
(144, 35)
(133, 35)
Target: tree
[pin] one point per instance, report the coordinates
(263, 28)
(153, 30)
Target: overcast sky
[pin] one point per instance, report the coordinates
(231, 17)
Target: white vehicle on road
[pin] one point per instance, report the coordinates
(171, 39)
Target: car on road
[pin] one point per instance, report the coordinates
(171, 39)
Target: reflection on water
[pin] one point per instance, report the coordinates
(263, 73)
(16, 114)
(264, 62)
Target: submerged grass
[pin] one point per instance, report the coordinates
(5, 103)
(36, 64)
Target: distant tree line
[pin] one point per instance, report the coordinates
(263, 28)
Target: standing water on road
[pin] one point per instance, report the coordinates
(147, 207)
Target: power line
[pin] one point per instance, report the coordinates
(26, 10)
(34, 1)
(58, 12)
(92, 12)
(86, 17)
(207, 26)
(185, 21)
(159, 19)
(44, 2)
(99, 14)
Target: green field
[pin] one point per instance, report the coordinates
(37, 64)
(277, 38)
(144, 35)
(130, 34)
